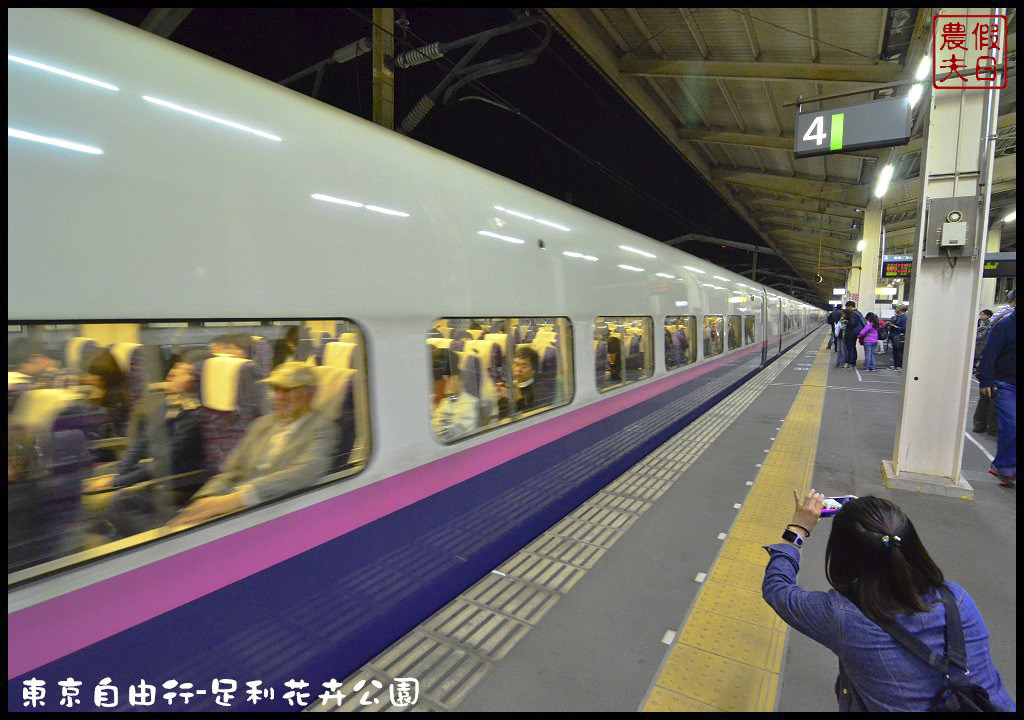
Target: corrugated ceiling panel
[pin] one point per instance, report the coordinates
(849, 29)
(723, 31)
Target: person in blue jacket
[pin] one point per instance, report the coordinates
(997, 378)
(852, 332)
(880, 572)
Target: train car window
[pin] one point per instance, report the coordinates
(749, 331)
(490, 372)
(624, 349)
(714, 335)
(735, 331)
(680, 341)
(135, 430)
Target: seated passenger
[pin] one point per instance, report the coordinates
(165, 427)
(41, 371)
(105, 375)
(455, 413)
(284, 349)
(525, 364)
(614, 357)
(233, 345)
(281, 452)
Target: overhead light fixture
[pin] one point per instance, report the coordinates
(916, 91)
(682, 303)
(1010, 217)
(839, 291)
(591, 258)
(693, 269)
(63, 73)
(861, 245)
(337, 201)
(883, 181)
(56, 142)
(211, 118)
(386, 211)
(719, 277)
(569, 253)
(923, 68)
(556, 226)
(630, 267)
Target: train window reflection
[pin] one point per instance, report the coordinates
(680, 340)
(489, 372)
(714, 336)
(133, 430)
(735, 332)
(749, 331)
(624, 349)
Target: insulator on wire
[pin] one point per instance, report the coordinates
(416, 115)
(433, 51)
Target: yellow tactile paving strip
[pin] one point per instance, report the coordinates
(729, 653)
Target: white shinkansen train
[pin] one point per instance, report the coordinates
(485, 359)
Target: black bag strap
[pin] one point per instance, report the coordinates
(956, 653)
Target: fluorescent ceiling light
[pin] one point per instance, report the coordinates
(339, 201)
(883, 181)
(666, 275)
(682, 303)
(861, 245)
(519, 214)
(1010, 217)
(506, 238)
(556, 226)
(630, 267)
(211, 118)
(638, 252)
(63, 73)
(590, 257)
(693, 269)
(571, 254)
(916, 91)
(386, 211)
(923, 68)
(707, 285)
(57, 142)
(838, 291)
(719, 277)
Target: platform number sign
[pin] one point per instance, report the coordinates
(882, 123)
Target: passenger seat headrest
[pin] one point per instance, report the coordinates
(219, 382)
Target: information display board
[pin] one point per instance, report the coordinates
(896, 266)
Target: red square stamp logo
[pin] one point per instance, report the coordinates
(969, 52)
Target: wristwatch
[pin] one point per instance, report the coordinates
(793, 537)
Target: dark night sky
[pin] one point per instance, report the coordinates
(560, 92)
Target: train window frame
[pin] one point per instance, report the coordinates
(704, 338)
(691, 350)
(647, 367)
(91, 546)
(563, 383)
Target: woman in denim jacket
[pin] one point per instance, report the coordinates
(879, 569)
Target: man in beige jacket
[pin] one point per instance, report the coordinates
(284, 451)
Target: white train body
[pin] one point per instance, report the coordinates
(181, 216)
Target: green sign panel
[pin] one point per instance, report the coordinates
(882, 123)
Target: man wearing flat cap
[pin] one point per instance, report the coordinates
(281, 452)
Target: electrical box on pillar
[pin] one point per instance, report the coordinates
(951, 226)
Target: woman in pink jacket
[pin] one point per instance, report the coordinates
(869, 338)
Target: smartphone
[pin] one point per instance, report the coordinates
(832, 505)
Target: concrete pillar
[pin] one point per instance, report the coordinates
(867, 276)
(987, 298)
(383, 64)
(944, 295)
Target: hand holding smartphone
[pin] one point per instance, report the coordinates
(832, 505)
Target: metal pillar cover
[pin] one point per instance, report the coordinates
(988, 285)
(941, 324)
(867, 276)
(383, 64)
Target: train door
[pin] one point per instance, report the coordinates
(764, 326)
(782, 326)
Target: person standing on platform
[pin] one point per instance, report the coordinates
(985, 412)
(840, 332)
(853, 328)
(868, 337)
(882, 577)
(997, 376)
(898, 336)
(833, 318)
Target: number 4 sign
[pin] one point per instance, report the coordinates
(882, 123)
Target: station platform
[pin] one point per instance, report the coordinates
(647, 596)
